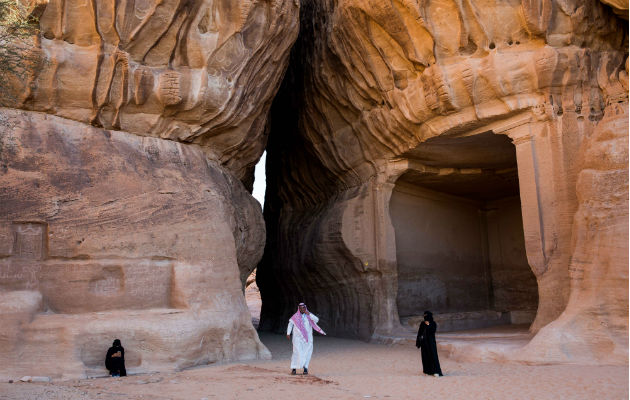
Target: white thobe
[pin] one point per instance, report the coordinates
(302, 350)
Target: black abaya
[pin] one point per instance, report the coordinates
(428, 349)
(116, 365)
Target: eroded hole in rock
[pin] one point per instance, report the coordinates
(252, 297)
(252, 293)
(459, 235)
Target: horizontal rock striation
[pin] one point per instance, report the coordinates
(377, 86)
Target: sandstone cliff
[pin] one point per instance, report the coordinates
(126, 154)
(468, 157)
(460, 112)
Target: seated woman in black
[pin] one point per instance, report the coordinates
(428, 349)
(115, 359)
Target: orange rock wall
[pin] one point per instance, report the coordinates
(376, 83)
(126, 154)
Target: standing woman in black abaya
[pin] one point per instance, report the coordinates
(426, 343)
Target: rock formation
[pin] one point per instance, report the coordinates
(466, 157)
(405, 139)
(125, 158)
(594, 326)
(200, 72)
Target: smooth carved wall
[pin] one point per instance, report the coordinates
(439, 248)
(456, 254)
(126, 153)
(514, 286)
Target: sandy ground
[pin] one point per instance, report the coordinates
(344, 369)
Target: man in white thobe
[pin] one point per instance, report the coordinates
(302, 324)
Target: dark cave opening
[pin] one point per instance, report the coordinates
(304, 259)
(459, 235)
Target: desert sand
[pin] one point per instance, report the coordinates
(345, 369)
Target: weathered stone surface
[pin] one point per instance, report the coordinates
(405, 139)
(594, 326)
(106, 234)
(388, 94)
(201, 72)
(123, 203)
(620, 7)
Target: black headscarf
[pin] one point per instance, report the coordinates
(428, 316)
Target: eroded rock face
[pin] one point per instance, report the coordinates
(107, 234)
(125, 158)
(620, 7)
(594, 326)
(386, 95)
(202, 72)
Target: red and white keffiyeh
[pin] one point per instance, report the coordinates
(297, 321)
